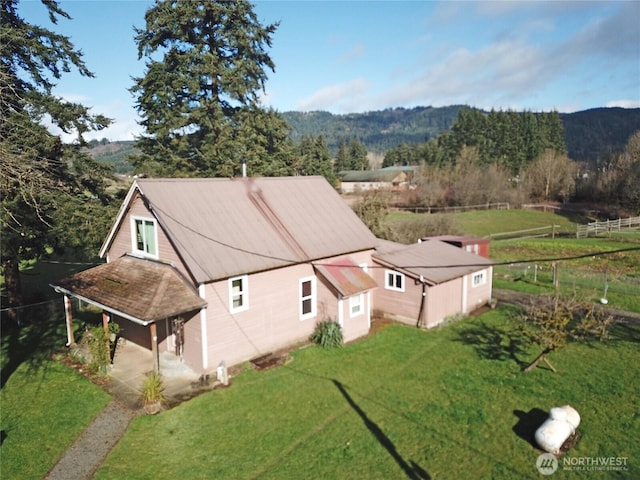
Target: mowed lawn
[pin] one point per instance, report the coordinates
(44, 407)
(403, 403)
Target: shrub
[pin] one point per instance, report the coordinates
(152, 390)
(99, 344)
(327, 334)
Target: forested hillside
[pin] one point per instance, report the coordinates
(590, 135)
(379, 130)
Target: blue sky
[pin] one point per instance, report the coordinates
(358, 56)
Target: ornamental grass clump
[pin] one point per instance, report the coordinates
(153, 392)
(327, 334)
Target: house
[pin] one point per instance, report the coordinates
(427, 282)
(391, 178)
(226, 270)
(229, 269)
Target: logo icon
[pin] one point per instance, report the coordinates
(547, 464)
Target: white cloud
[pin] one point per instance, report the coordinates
(500, 71)
(624, 103)
(343, 98)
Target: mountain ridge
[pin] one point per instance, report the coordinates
(591, 135)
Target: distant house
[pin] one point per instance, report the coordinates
(425, 283)
(231, 269)
(391, 178)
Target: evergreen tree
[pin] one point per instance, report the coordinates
(199, 98)
(342, 162)
(40, 177)
(358, 155)
(315, 158)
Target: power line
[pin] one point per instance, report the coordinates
(288, 260)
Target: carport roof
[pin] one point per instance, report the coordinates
(141, 290)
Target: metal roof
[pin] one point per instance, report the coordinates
(433, 260)
(227, 227)
(346, 277)
(139, 289)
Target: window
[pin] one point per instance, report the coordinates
(144, 236)
(238, 294)
(356, 305)
(479, 278)
(394, 281)
(307, 298)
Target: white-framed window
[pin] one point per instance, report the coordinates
(479, 278)
(394, 280)
(356, 305)
(238, 294)
(307, 296)
(144, 236)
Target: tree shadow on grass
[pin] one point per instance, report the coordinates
(33, 342)
(412, 470)
(528, 423)
(625, 331)
(495, 343)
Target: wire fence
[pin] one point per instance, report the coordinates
(583, 281)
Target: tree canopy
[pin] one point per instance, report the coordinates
(207, 64)
(508, 138)
(40, 177)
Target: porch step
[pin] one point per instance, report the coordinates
(172, 366)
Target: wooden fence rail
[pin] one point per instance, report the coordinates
(598, 228)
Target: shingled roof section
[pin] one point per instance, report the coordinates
(435, 261)
(140, 289)
(226, 227)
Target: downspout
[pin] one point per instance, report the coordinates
(421, 314)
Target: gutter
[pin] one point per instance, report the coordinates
(139, 321)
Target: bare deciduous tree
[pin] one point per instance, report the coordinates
(552, 321)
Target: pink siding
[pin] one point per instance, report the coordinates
(192, 351)
(481, 294)
(443, 301)
(401, 306)
(122, 240)
(272, 320)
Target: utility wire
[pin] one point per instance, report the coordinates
(289, 260)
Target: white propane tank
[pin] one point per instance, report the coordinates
(556, 429)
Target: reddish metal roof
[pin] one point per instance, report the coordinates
(142, 290)
(346, 277)
(433, 260)
(226, 227)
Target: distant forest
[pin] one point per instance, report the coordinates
(590, 135)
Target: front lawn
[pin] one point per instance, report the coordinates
(44, 408)
(403, 403)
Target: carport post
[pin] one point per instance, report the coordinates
(154, 347)
(68, 315)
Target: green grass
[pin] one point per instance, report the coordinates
(586, 276)
(403, 403)
(43, 410)
(487, 222)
